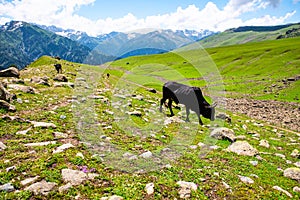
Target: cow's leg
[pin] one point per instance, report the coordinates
(170, 107)
(162, 101)
(187, 113)
(200, 121)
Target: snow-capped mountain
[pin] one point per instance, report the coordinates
(118, 43)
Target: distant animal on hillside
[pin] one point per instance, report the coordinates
(191, 97)
(58, 68)
(107, 75)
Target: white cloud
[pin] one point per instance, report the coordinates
(63, 14)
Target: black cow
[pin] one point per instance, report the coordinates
(191, 97)
(58, 68)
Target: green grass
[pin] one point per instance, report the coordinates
(241, 67)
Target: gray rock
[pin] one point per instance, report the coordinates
(64, 84)
(63, 147)
(114, 197)
(223, 134)
(245, 179)
(43, 124)
(22, 88)
(147, 154)
(282, 190)
(295, 153)
(2, 146)
(64, 188)
(29, 180)
(7, 106)
(39, 144)
(74, 177)
(41, 187)
(149, 188)
(60, 78)
(40, 80)
(24, 132)
(292, 173)
(242, 148)
(296, 189)
(186, 189)
(4, 94)
(10, 72)
(8, 187)
(264, 143)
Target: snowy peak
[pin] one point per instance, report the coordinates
(13, 25)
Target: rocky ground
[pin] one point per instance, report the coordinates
(282, 114)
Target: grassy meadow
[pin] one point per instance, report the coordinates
(97, 119)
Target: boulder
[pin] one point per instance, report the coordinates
(74, 177)
(42, 187)
(223, 134)
(60, 78)
(40, 80)
(292, 173)
(5, 95)
(10, 72)
(22, 88)
(7, 106)
(242, 148)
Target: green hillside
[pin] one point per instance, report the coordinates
(104, 136)
(256, 70)
(250, 34)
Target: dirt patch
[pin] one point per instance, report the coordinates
(282, 114)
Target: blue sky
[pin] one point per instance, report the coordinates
(103, 16)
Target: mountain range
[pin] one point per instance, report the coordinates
(21, 43)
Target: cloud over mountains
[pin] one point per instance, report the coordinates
(64, 14)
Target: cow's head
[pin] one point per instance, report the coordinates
(209, 112)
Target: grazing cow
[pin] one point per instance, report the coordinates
(58, 68)
(191, 97)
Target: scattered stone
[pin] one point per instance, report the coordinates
(280, 155)
(186, 189)
(149, 188)
(114, 197)
(223, 134)
(60, 135)
(63, 147)
(282, 190)
(10, 72)
(43, 124)
(135, 113)
(4, 94)
(242, 148)
(2, 146)
(11, 168)
(8, 187)
(60, 78)
(146, 155)
(41, 187)
(296, 189)
(22, 88)
(295, 153)
(173, 119)
(29, 180)
(292, 173)
(79, 154)
(24, 132)
(75, 177)
(246, 180)
(64, 188)
(38, 144)
(7, 106)
(64, 84)
(254, 163)
(152, 90)
(224, 116)
(297, 164)
(264, 143)
(40, 80)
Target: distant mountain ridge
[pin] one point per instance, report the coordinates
(119, 43)
(21, 43)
